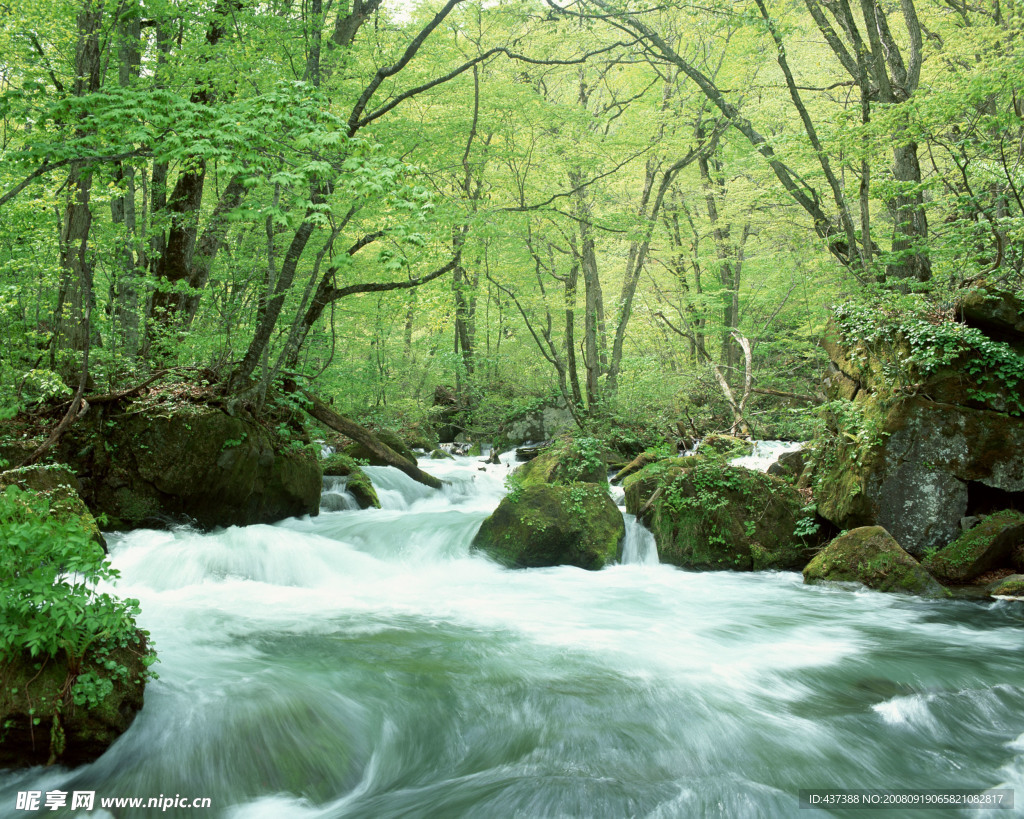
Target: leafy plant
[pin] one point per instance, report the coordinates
(50, 604)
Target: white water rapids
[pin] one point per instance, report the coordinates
(367, 664)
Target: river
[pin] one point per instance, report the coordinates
(366, 664)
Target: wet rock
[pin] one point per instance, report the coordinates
(996, 542)
(34, 689)
(544, 525)
(871, 556)
(790, 466)
(927, 435)
(358, 484)
(146, 464)
(1009, 586)
(708, 515)
(917, 478)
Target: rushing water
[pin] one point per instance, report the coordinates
(366, 664)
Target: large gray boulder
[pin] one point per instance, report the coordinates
(927, 421)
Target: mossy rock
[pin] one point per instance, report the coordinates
(1010, 586)
(31, 688)
(545, 525)
(565, 461)
(789, 466)
(358, 485)
(58, 484)
(338, 465)
(994, 543)
(725, 447)
(641, 485)
(385, 436)
(869, 555)
(441, 455)
(912, 474)
(708, 515)
(146, 464)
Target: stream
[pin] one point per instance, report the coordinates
(367, 664)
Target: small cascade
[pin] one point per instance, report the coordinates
(335, 497)
(395, 489)
(765, 454)
(638, 546)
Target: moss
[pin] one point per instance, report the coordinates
(871, 556)
(564, 462)
(32, 690)
(725, 447)
(1012, 586)
(573, 525)
(989, 545)
(151, 464)
(338, 465)
(707, 515)
(361, 488)
(645, 458)
(358, 484)
(59, 485)
(441, 455)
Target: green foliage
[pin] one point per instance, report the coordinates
(582, 457)
(49, 571)
(915, 342)
(704, 491)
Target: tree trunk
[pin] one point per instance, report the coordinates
(323, 413)
(75, 293)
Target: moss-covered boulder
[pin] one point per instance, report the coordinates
(566, 461)
(149, 463)
(871, 556)
(441, 455)
(995, 543)
(420, 436)
(707, 515)
(60, 487)
(1009, 586)
(789, 466)
(544, 525)
(385, 436)
(917, 467)
(358, 483)
(725, 447)
(42, 724)
(927, 421)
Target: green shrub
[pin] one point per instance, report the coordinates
(49, 603)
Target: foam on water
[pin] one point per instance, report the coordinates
(369, 663)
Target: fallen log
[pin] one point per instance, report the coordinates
(346, 426)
